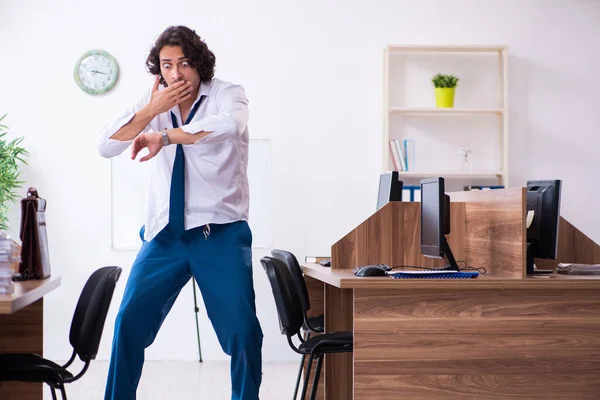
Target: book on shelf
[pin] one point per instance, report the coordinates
(398, 154)
(409, 154)
(395, 156)
(401, 154)
(316, 259)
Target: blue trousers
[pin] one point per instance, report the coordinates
(221, 263)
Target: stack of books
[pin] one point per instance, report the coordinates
(578, 269)
(316, 259)
(9, 256)
(402, 154)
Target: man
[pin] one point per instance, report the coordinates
(194, 128)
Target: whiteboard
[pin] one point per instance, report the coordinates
(129, 185)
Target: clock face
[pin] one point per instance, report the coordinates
(96, 72)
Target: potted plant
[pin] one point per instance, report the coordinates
(11, 153)
(444, 90)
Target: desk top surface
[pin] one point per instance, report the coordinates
(345, 279)
(26, 293)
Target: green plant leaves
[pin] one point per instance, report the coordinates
(444, 81)
(11, 154)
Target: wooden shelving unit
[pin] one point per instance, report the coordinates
(445, 111)
(461, 114)
(451, 174)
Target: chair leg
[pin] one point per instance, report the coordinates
(53, 392)
(306, 378)
(306, 336)
(299, 376)
(63, 392)
(313, 395)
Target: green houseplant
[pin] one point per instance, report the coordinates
(444, 90)
(11, 153)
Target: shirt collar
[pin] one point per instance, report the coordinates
(204, 90)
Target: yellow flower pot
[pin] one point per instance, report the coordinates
(444, 97)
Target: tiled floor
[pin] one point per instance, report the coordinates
(185, 380)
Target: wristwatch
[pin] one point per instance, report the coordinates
(165, 138)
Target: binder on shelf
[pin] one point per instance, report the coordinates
(411, 193)
(485, 187)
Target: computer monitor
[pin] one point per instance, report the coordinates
(390, 188)
(543, 198)
(435, 221)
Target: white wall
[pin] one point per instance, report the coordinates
(313, 73)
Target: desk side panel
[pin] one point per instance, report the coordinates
(343, 252)
(22, 332)
(495, 233)
(376, 240)
(338, 367)
(482, 344)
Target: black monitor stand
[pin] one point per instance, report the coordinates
(448, 253)
(531, 270)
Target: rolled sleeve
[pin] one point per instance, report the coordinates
(107, 147)
(229, 122)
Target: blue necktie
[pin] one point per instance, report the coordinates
(177, 195)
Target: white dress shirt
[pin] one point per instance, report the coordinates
(216, 180)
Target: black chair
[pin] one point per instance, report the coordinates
(86, 331)
(314, 324)
(291, 320)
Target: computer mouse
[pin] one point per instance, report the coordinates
(370, 271)
(326, 263)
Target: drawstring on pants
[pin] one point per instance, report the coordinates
(206, 231)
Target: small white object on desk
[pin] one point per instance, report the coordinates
(7, 258)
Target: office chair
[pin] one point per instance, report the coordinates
(314, 324)
(86, 331)
(291, 320)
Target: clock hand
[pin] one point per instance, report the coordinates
(98, 72)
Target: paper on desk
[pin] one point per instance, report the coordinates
(530, 217)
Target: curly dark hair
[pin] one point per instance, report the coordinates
(193, 47)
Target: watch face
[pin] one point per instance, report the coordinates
(96, 72)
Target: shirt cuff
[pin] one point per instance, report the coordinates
(192, 129)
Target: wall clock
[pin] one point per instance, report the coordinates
(96, 72)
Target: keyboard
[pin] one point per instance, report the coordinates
(432, 274)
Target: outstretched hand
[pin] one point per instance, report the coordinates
(151, 140)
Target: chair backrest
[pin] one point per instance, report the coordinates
(292, 263)
(289, 309)
(90, 313)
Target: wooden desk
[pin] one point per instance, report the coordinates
(484, 338)
(22, 329)
(503, 335)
